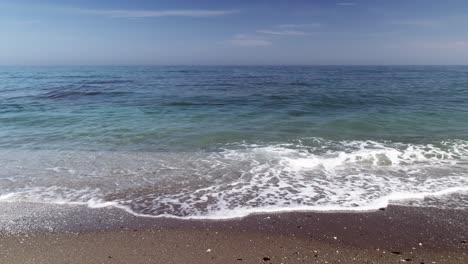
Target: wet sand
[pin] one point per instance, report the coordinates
(75, 234)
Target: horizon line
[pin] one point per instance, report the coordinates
(212, 65)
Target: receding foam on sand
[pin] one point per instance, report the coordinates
(244, 179)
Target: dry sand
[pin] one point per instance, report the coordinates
(80, 235)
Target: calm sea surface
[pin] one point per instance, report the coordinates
(217, 142)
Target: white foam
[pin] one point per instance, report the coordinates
(243, 212)
(245, 179)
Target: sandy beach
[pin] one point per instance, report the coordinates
(81, 235)
(219, 132)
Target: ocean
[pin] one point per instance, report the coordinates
(217, 142)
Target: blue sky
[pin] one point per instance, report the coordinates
(233, 32)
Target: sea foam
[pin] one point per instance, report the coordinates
(243, 179)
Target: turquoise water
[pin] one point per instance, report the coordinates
(167, 108)
(199, 141)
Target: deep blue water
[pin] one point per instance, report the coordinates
(285, 129)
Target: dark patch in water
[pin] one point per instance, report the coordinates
(179, 71)
(302, 84)
(297, 113)
(184, 103)
(279, 97)
(80, 76)
(66, 94)
(181, 104)
(75, 91)
(100, 82)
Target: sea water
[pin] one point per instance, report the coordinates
(226, 141)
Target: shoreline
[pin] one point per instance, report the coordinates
(76, 234)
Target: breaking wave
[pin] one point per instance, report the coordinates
(308, 174)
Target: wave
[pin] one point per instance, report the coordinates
(80, 91)
(187, 103)
(86, 198)
(102, 82)
(307, 174)
(67, 94)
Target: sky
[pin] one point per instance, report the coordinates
(228, 32)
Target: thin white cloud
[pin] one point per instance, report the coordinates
(156, 13)
(300, 25)
(440, 45)
(416, 23)
(346, 4)
(21, 22)
(263, 37)
(462, 44)
(242, 40)
(283, 32)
